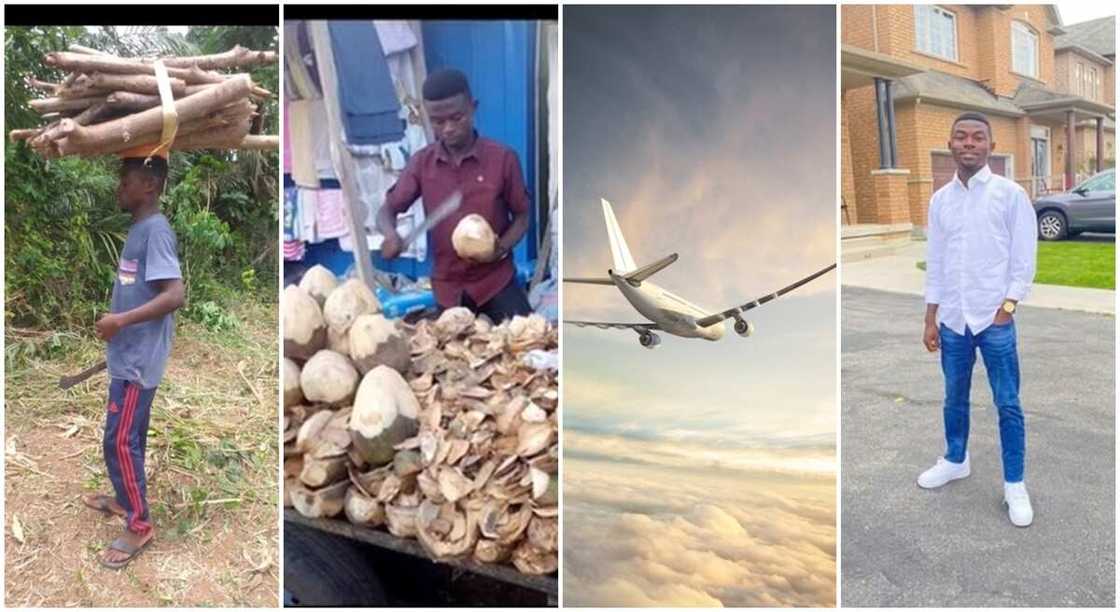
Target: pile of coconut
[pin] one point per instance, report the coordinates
(440, 431)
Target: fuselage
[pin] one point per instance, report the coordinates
(672, 313)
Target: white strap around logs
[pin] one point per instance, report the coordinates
(170, 115)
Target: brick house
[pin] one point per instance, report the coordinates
(907, 71)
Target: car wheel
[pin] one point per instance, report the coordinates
(1052, 226)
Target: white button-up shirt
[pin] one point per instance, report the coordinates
(981, 249)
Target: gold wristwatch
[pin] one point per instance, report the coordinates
(1008, 307)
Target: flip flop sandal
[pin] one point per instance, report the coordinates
(121, 545)
(103, 504)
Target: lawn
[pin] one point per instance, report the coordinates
(1074, 264)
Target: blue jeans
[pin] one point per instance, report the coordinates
(958, 354)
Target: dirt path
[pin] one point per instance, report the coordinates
(211, 465)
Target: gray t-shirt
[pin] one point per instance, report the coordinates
(138, 353)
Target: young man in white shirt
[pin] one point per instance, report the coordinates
(980, 263)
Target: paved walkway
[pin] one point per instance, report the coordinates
(899, 273)
(954, 546)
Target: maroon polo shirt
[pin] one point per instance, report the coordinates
(489, 177)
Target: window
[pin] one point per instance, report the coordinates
(1105, 181)
(935, 31)
(1094, 83)
(1024, 50)
(1079, 80)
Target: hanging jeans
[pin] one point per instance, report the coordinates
(998, 348)
(126, 439)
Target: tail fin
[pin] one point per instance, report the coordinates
(623, 262)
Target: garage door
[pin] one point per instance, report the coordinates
(944, 167)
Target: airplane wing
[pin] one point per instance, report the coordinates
(731, 312)
(640, 328)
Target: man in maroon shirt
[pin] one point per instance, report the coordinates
(488, 175)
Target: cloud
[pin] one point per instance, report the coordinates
(635, 536)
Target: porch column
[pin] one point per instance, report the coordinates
(1071, 127)
(1100, 143)
(890, 124)
(884, 115)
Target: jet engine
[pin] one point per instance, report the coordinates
(744, 328)
(649, 340)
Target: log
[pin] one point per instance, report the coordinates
(18, 135)
(123, 132)
(234, 58)
(82, 63)
(89, 51)
(51, 88)
(137, 83)
(129, 100)
(48, 105)
(260, 141)
(229, 137)
(92, 114)
(229, 115)
(321, 472)
(321, 503)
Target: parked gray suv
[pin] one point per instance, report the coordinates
(1089, 207)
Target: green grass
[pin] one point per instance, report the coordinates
(1074, 264)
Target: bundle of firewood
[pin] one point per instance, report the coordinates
(445, 431)
(108, 104)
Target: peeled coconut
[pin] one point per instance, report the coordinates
(305, 331)
(375, 340)
(293, 395)
(384, 415)
(328, 378)
(348, 302)
(473, 238)
(338, 341)
(318, 282)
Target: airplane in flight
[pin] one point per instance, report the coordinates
(667, 312)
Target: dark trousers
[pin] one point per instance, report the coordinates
(510, 301)
(124, 444)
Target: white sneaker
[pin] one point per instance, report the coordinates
(1018, 503)
(943, 472)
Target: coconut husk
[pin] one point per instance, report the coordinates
(462, 441)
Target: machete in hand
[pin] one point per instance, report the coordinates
(441, 212)
(69, 381)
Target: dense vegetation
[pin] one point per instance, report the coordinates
(64, 229)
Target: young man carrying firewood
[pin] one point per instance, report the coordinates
(139, 328)
(488, 175)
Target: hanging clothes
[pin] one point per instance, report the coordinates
(301, 143)
(330, 216)
(291, 213)
(298, 78)
(287, 140)
(395, 35)
(294, 250)
(321, 142)
(308, 212)
(368, 99)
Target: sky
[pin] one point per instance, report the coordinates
(1080, 10)
(701, 473)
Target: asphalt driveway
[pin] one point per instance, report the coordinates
(954, 546)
